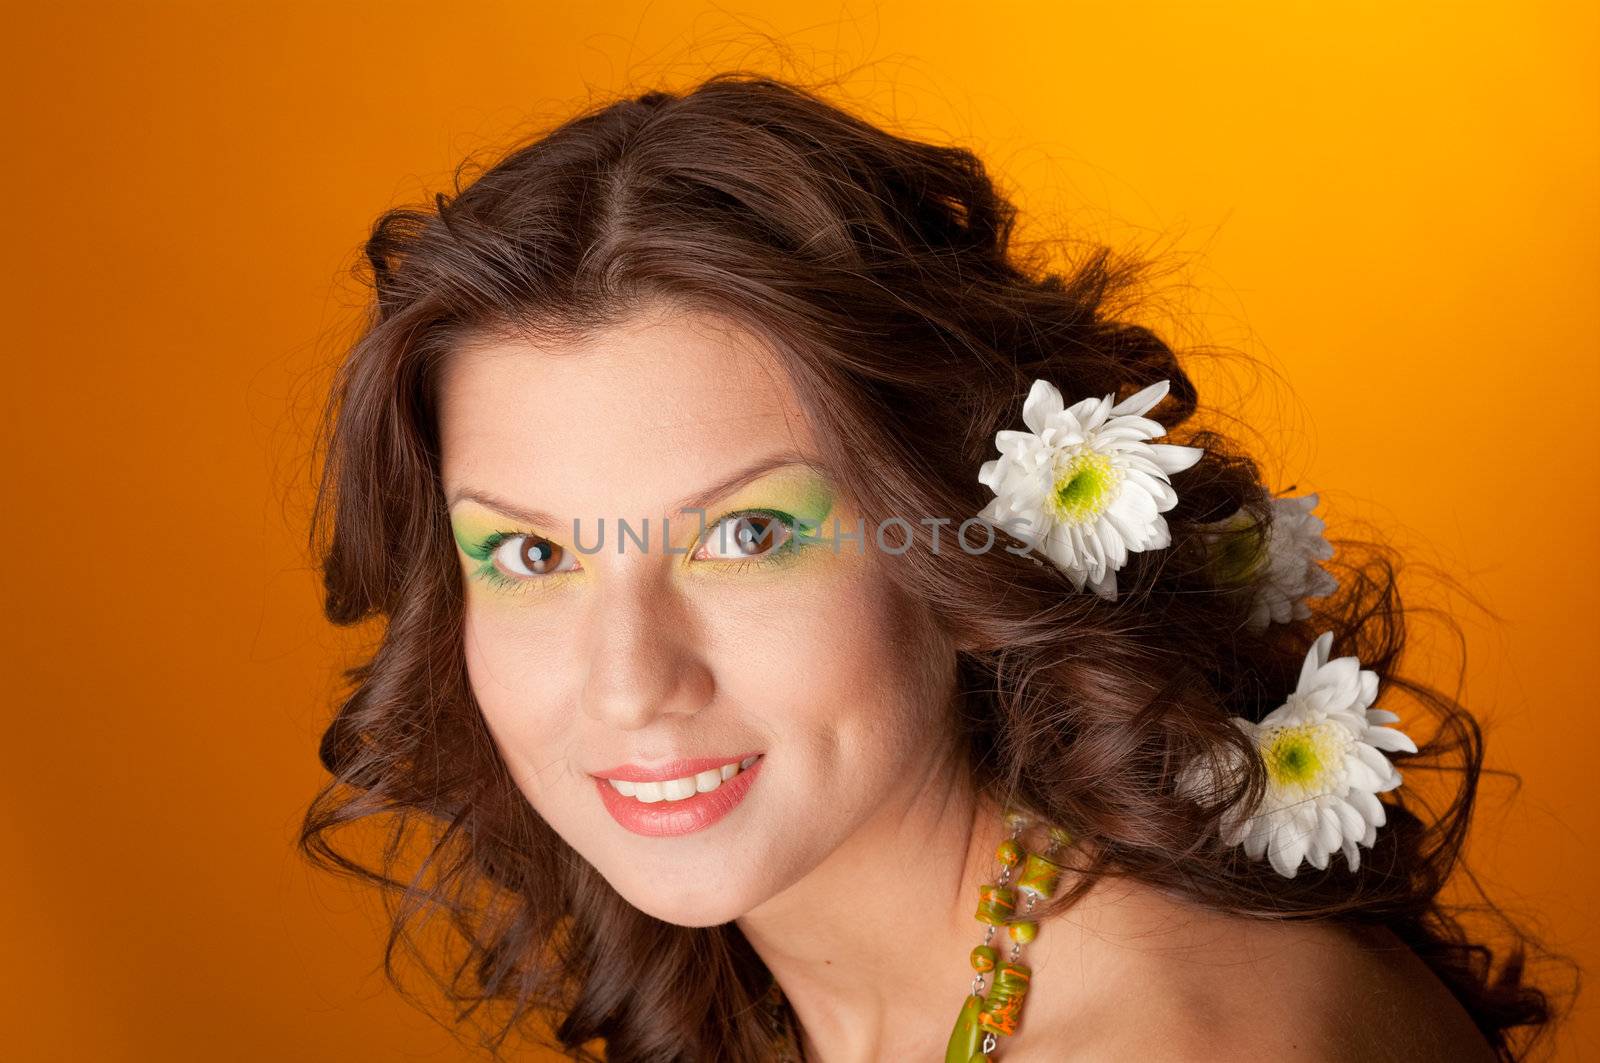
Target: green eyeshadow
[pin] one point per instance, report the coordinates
(796, 494)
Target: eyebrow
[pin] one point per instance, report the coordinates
(694, 500)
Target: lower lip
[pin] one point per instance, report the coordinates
(670, 818)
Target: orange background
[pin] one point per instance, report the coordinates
(1393, 205)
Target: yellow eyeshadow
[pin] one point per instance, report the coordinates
(473, 527)
(798, 491)
(795, 490)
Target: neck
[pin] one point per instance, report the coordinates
(871, 947)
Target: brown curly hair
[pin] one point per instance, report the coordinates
(883, 271)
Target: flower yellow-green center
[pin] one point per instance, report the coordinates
(1084, 487)
(1301, 756)
(1237, 552)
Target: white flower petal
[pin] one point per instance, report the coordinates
(1369, 687)
(1314, 659)
(1088, 413)
(996, 512)
(1278, 854)
(1372, 759)
(1255, 844)
(1105, 585)
(1174, 458)
(1351, 825)
(1010, 441)
(1142, 400)
(1130, 429)
(1041, 405)
(1344, 673)
(1369, 806)
(1329, 832)
(1390, 740)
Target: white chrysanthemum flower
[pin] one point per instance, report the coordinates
(1281, 567)
(1082, 484)
(1324, 753)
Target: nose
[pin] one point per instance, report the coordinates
(643, 661)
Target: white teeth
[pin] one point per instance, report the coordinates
(678, 789)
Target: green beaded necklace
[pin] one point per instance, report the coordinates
(982, 1019)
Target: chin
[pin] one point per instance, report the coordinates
(693, 905)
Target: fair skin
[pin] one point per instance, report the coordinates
(852, 864)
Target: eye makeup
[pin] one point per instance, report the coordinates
(480, 537)
(796, 496)
(796, 492)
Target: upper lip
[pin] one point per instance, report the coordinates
(671, 769)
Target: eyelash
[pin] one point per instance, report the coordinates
(491, 574)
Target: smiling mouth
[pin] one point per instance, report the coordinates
(650, 815)
(681, 789)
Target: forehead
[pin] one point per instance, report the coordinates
(629, 418)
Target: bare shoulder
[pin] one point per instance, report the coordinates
(1140, 975)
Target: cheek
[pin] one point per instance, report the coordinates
(844, 677)
(517, 667)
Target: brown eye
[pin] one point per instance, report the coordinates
(530, 555)
(746, 535)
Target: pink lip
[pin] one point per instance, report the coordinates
(672, 769)
(665, 818)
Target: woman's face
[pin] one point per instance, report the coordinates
(735, 637)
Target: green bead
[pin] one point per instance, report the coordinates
(966, 1037)
(995, 903)
(1022, 933)
(984, 958)
(1059, 838)
(981, 1057)
(1039, 876)
(1009, 853)
(1002, 1009)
